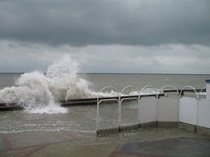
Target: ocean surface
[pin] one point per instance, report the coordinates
(119, 81)
(36, 91)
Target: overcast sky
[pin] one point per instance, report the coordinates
(117, 36)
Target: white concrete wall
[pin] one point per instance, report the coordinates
(168, 108)
(204, 113)
(148, 109)
(188, 110)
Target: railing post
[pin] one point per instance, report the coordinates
(97, 117)
(158, 105)
(98, 102)
(196, 99)
(120, 103)
(119, 111)
(139, 114)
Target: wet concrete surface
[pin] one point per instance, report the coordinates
(179, 147)
(151, 142)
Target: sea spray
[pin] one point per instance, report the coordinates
(41, 99)
(32, 93)
(40, 93)
(65, 78)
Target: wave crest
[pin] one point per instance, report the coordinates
(36, 91)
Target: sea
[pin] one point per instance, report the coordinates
(40, 92)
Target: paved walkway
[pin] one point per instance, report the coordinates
(153, 142)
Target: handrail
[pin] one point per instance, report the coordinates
(125, 89)
(147, 86)
(182, 90)
(108, 87)
(142, 89)
(166, 87)
(202, 89)
(99, 101)
(157, 93)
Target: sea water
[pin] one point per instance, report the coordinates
(39, 93)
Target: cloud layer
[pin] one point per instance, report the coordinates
(148, 36)
(82, 22)
(170, 58)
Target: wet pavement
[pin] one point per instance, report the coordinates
(179, 147)
(151, 142)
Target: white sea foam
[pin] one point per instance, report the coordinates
(39, 93)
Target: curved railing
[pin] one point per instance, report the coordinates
(184, 89)
(145, 87)
(127, 98)
(204, 88)
(167, 86)
(121, 96)
(99, 100)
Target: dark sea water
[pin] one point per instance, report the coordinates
(83, 118)
(140, 80)
(119, 81)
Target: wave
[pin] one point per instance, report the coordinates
(40, 93)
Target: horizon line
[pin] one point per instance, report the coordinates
(133, 73)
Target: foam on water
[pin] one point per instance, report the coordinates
(40, 93)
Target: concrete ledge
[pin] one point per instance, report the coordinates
(149, 125)
(131, 127)
(167, 124)
(188, 127)
(203, 130)
(107, 132)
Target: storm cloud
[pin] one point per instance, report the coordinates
(88, 22)
(149, 36)
(170, 58)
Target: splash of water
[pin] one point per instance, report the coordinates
(39, 93)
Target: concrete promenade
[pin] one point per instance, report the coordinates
(148, 142)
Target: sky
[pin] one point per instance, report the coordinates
(106, 36)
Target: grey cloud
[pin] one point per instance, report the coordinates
(169, 58)
(92, 22)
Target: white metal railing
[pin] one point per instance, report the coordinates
(195, 108)
(131, 98)
(119, 100)
(163, 110)
(189, 87)
(121, 97)
(168, 86)
(99, 100)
